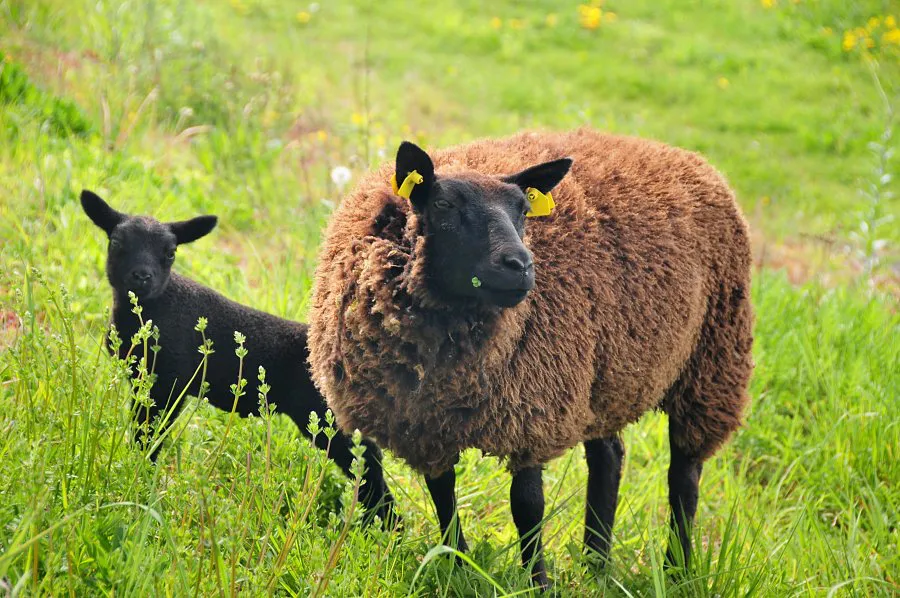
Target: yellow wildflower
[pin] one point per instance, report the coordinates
(321, 135)
(849, 41)
(357, 119)
(873, 23)
(240, 7)
(722, 82)
(590, 16)
(870, 43)
(890, 22)
(768, 3)
(551, 20)
(303, 17)
(891, 37)
(496, 23)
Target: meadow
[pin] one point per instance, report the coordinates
(245, 108)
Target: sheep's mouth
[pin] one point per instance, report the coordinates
(502, 297)
(143, 290)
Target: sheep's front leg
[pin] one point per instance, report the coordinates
(443, 493)
(604, 460)
(526, 499)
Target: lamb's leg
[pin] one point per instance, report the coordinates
(684, 482)
(604, 460)
(526, 499)
(443, 493)
(374, 495)
(145, 435)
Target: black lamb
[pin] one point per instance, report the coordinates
(139, 259)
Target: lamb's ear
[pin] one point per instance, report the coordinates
(187, 231)
(100, 212)
(542, 177)
(411, 157)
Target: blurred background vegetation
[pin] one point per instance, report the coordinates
(246, 108)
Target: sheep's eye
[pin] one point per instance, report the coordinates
(442, 204)
(113, 244)
(170, 255)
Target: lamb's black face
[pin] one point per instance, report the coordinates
(141, 249)
(476, 226)
(140, 257)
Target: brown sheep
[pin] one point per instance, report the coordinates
(424, 334)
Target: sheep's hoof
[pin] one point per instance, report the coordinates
(390, 520)
(596, 557)
(542, 583)
(675, 567)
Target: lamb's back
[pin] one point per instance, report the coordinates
(277, 344)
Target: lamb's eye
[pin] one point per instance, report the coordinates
(170, 255)
(113, 244)
(442, 204)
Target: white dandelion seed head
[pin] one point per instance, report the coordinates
(340, 176)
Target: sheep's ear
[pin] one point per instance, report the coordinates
(187, 231)
(542, 177)
(411, 157)
(100, 212)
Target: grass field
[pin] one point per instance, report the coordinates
(242, 108)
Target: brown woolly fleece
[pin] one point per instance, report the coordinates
(641, 302)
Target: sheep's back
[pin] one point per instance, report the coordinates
(643, 237)
(274, 343)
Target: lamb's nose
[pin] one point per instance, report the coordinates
(141, 275)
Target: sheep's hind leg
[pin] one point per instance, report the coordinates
(374, 495)
(443, 494)
(526, 499)
(684, 482)
(604, 460)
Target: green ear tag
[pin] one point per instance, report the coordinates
(475, 282)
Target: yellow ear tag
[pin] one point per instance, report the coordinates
(411, 180)
(541, 203)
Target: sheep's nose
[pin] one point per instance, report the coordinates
(141, 275)
(519, 263)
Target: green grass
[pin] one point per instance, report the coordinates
(237, 108)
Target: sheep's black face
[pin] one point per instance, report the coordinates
(476, 226)
(475, 248)
(141, 249)
(140, 257)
